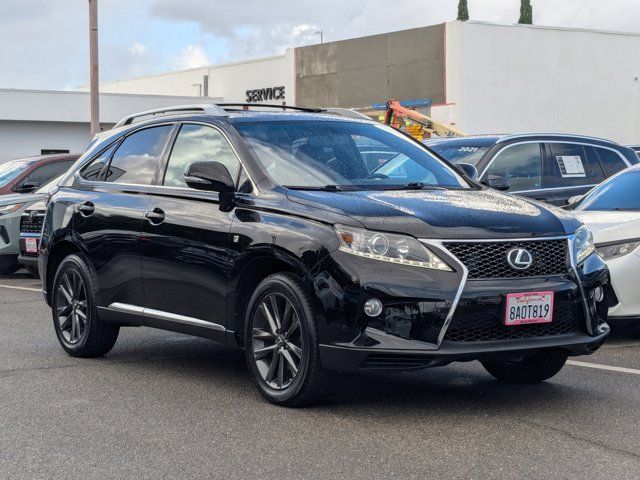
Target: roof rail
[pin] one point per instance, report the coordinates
(246, 106)
(543, 134)
(206, 108)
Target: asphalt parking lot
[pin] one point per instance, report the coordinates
(164, 405)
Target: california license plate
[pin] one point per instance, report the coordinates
(31, 245)
(529, 307)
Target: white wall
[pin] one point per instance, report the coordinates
(514, 78)
(228, 82)
(26, 139)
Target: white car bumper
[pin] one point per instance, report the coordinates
(625, 279)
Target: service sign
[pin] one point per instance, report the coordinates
(265, 94)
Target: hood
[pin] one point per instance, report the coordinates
(13, 198)
(611, 226)
(444, 214)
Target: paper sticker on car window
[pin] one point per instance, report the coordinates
(571, 166)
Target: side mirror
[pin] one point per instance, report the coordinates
(27, 187)
(497, 182)
(468, 170)
(210, 177)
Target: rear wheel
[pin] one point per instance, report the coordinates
(281, 344)
(527, 369)
(80, 331)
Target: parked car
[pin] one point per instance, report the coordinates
(547, 167)
(31, 222)
(269, 232)
(635, 148)
(612, 212)
(12, 209)
(26, 175)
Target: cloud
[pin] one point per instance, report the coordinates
(137, 49)
(191, 56)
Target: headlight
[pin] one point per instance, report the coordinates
(615, 250)
(583, 244)
(388, 247)
(4, 210)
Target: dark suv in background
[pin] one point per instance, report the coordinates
(547, 167)
(271, 231)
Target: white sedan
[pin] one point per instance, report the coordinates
(612, 212)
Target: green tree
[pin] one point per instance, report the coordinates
(463, 10)
(526, 12)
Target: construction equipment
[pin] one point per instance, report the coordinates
(418, 125)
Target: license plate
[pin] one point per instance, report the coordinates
(529, 307)
(31, 245)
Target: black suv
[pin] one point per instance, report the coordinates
(543, 166)
(270, 232)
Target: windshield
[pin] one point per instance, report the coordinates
(460, 153)
(10, 170)
(618, 193)
(344, 155)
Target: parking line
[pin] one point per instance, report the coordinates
(604, 367)
(21, 288)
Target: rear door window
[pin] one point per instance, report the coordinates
(137, 159)
(521, 164)
(569, 165)
(611, 161)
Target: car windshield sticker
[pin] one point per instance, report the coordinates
(571, 166)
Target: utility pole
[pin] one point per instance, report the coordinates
(94, 98)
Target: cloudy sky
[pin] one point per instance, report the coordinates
(44, 43)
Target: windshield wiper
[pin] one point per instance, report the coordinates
(325, 188)
(421, 186)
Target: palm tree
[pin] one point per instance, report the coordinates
(463, 10)
(526, 12)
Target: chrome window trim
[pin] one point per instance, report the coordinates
(586, 144)
(160, 315)
(543, 134)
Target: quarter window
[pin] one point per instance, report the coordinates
(521, 164)
(137, 158)
(92, 172)
(611, 161)
(198, 143)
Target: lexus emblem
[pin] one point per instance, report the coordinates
(519, 258)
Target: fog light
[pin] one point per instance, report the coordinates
(373, 307)
(598, 294)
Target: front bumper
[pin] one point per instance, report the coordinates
(624, 277)
(434, 318)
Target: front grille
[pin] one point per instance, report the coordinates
(489, 259)
(477, 324)
(29, 224)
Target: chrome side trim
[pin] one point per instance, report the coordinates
(456, 298)
(160, 315)
(543, 134)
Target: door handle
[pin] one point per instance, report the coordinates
(86, 209)
(155, 216)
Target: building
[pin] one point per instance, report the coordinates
(34, 122)
(481, 77)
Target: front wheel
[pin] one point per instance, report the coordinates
(527, 369)
(281, 343)
(78, 327)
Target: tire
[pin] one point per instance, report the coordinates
(529, 369)
(282, 350)
(73, 296)
(9, 269)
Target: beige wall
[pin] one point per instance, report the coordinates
(362, 71)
